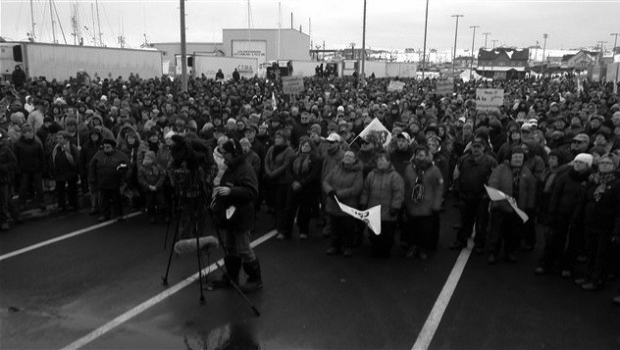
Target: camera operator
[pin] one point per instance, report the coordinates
(233, 207)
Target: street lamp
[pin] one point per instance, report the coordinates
(456, 32)
(615, 41)
(473, 40)
(486, 37)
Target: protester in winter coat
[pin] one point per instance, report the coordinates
(151, 177)
(64, 165)
(561, 192)
(515, 180)
(106, 174)
(88, 151)
(277, 161)
(598, 214)
(331, 158)
(8, 167)
(31, 162)
(385, 187)
(423, 196)
(470, 175)
(305, 173)
(250, 156)
(344, 182)
(402, 153)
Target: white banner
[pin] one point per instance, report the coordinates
(496, 195)
(384, 135)
(371, 217)
(396, 86)
(489, 99)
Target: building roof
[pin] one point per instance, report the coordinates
(513, 54)
(500, 69)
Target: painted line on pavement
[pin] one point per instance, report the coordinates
(63, 237)
(90, 337)
(434, 318)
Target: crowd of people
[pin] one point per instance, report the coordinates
(553, 147)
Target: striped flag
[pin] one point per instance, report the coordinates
(496, 195)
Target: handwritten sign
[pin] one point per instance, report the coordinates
(489, 99)
(293, 85)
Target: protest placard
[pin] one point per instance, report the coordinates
(293, 85)
(489, 99)
(396, 86)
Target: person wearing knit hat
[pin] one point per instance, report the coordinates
(234, 212)
(584, 158)
(151, 176)
(597, 215)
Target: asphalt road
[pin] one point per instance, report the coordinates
(74, 290)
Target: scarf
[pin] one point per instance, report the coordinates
(601, 180)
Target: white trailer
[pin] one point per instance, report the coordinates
(61, 62)
(209, 65)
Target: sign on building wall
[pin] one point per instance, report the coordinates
(252, 49)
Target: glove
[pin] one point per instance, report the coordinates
(332, 194)
(393, 212)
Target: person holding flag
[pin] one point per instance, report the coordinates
(344, 183)
(519, 184)
(384, 187)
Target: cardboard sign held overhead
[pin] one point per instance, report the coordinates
(396, 86)
(293, 85)
(489, 99)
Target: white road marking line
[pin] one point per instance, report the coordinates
(153, 301)
(434, 318)
(63, 237)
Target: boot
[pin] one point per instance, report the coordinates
(233, 265)
(254, 281)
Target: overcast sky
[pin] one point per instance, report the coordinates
(391, 24)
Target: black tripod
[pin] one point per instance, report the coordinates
(200, 200)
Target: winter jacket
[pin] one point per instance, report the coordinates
(601, 215)
(243, 183)
(8, 163)
(277, 163)
(347, 181)
(152, 175)
(473, 175)
(383, 187)
(368, 159)
(104, 171)
(88, 151)
(330, 162)
(30, 155)
(254, 160)
(502, 179)
(64, 164)
(306, 170)
(567, 191)
(431, 181)
(400, 159)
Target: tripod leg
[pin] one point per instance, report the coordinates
(202, 296)
(176, 237)
(236, 286)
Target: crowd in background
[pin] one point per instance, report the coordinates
(553, 146)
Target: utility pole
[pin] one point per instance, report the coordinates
(98, 23)
(456, 33)
(364, 41)
(425, 30)
(545, 36)
(494, 41)
(53, 22)
(473, 40)
(601, 49)
(32, 36)
(183, 49)
(486, 37)
(615, 41)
